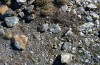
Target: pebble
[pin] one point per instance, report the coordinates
(21, 1)
(91, 6)
(20, 41)
(3, 9)
(11, 21)
(66, 58)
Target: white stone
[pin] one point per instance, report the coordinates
(92, 6)
(66, 58)
(21, 1)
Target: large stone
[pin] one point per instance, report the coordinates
(11, 21)
(66, 58)
(3, 9)
(20, 41)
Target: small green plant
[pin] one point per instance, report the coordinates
(8, 35)
(47, 10)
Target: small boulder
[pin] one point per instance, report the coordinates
(20, 42)
(11, 21)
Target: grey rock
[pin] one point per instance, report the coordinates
(66, 8)
(43, 28)
(55, 28)
(81, 9)
(74, 50)
(89, 18)
(66, 46)
(21, 14)
(69, 32)
(87, 42)
(11, 21)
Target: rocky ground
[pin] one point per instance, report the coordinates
(49, 32)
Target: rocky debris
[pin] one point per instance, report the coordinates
(54, 28)
(20, 42)
(3, 9)
(11, 21)
(51, 26)
(69, 32)
(87, 26)
(66, 58)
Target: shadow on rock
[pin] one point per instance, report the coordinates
(13, 46)
(58, 61)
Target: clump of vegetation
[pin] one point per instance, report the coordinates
(48, 10)
(42, 2)
(60, 2)
(8, 35)
(65, 18)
